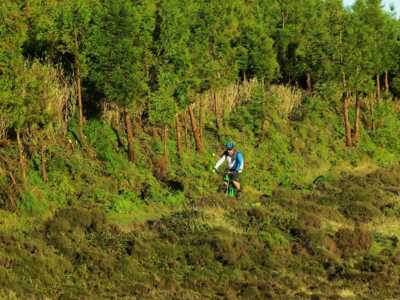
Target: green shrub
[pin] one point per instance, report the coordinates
(103, 139)
(387, 121)
(274, 238)
(250, 116)
(31, 204)
(124, 203)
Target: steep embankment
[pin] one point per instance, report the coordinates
(317, 220)
(337, 239)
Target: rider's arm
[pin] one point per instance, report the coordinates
(240, 162)
(220, 162)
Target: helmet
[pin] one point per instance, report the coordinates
(230, 145)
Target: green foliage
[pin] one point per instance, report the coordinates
(275, 239)
(11, 62)
(396, 85)
(256, 55)
(173, 64)
(69, 31)
(103, 139)
(124, 203)
(77, 246)
(31, 204)
(387, 120)
(249, 117)
(297, 225)
(126, 28)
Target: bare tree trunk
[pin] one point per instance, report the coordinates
(356, 136)
(201, 117)
(178, 137)
(119, 131)
(217, 113)
(284, 18)
(22, 161)
(43, 162)
(155, 132)
(129, 132)
(264, 128)
(165, 141)
(185, 130)
(77, 70)
(79, 96)
(197, 138)
(309, 83)
(344, 82)
(378, 87)
(346, 118)
(138, 124)
(386, 81)
(371, 125)
(12, 191)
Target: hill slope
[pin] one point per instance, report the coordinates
(317, 220)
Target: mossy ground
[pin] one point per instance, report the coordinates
(316, 220)
(283, 246)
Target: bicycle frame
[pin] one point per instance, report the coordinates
(230, 189)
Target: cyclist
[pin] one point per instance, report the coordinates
(235, 162)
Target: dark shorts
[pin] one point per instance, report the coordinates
(235, 176)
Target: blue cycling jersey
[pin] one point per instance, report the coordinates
(235, 162)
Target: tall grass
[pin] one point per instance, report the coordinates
(287, 98)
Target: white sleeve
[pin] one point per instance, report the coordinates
(220, 162)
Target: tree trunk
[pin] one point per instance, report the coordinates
(197, 138)
(165, 141)
(201, 117)
(344, 81)
(11, 192)
(77, 70)
(129, 132)
(356, 136)
(284, 18)
(217, 113)
(185, 131)
(119, 131)
(264, 128)
(79, 96)
(371, 111)
(178, 137)
(21, 157)
(43, 162)
(155, 132)
(309, 83)
(378, 87)
(346, 118)
(138, 124)
(386, 81)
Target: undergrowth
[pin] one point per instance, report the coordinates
(307, 227)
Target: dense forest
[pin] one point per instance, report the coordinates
(113, 113)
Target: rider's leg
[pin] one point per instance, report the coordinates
(235, 180)
(236, 184)
(238, 189)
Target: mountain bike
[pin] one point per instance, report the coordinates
(227, 187)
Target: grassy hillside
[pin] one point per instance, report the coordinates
(317, 220)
